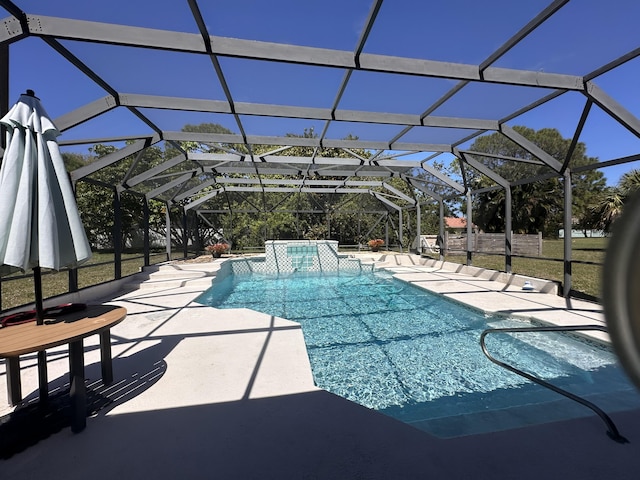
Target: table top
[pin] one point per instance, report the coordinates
(29, 337)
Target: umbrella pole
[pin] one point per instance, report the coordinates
(43, 381)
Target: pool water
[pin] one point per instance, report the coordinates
(415, 355)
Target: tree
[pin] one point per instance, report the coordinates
(73, 161)
(207, 147)
(629, 183)
(536, 206)
(95, 199)
(611, 203)
(294, 215)
(249, 218)
(95, 195)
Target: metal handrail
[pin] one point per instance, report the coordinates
(612, 431)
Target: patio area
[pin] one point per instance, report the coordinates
(207, 393)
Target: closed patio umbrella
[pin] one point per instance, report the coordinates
(40, 226)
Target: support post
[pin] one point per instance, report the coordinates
(400, 232)
(185, 234)
(419, 227)
(328, 226)
(359, 231)
(167, 221)
(507, 229)
(568, 200)
(146, 215)
(117, 234)
(441, 242)
(386, 231)
(470, 239)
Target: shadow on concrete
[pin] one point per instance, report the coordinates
(33, 421)
(318, 435)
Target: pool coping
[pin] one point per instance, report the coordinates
(499, 293)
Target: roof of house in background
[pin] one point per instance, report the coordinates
(455, 222)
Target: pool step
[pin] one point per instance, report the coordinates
(195, 283)
(187, 268)
(522, 416)
(181, 275)
(508, 412)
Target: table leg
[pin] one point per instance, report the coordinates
(77, 392)
(14, 386)
(43, 380)
(105, 357)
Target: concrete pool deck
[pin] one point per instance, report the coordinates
(207, 393)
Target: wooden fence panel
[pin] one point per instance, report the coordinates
(521, 244)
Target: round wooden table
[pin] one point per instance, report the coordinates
(71, 328)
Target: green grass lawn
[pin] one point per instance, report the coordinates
(21, 290)
(585, 278)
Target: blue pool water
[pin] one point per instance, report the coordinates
(415, 355)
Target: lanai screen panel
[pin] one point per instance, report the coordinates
(393, 85)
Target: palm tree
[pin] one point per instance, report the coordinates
(629, 183)
(611, 204)
(608, 208)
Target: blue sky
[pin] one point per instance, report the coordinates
(579, 38)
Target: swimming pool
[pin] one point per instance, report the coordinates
(415, 355)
